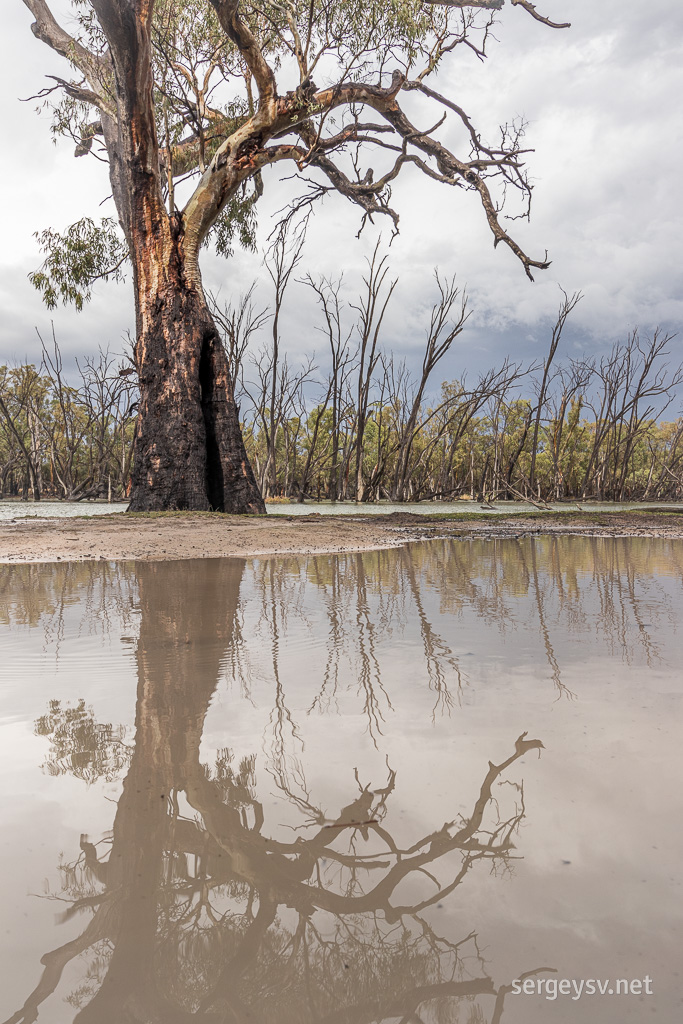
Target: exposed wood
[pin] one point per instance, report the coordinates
(188, 448)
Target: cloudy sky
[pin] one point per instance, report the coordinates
(603, 104)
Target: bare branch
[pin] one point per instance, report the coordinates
(91, 65)
(47, 29)
(497, 5)
(531, 8)
(453, 169)
(365, 194)
(488, 5)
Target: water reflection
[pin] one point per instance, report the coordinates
(199, 912)
(587, 587)
(304, 807)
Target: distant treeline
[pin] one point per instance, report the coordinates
(67, 440)
(360, 426)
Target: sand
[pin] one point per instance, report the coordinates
(207, 535)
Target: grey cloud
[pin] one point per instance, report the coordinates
(601, 99)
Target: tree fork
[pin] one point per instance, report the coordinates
(188, 450)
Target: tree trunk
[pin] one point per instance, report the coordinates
(172, 702)
(188, 450)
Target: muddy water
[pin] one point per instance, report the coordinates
(313, 789)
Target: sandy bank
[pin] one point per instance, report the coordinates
(173, 535)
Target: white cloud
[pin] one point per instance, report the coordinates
(601, 99)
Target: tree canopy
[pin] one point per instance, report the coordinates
(189, 102)
(222, 89)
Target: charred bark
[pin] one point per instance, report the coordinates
(188, 452)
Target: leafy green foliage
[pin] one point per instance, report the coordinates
(203, 93)
(85, 253)
(236, 222)
(358, 34)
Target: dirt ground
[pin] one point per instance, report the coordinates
(207, 535)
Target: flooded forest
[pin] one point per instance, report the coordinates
(341, 538)
(355, 424)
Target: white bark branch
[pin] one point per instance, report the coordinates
(240, 34)
(497, 5)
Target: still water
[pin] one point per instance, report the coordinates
(428, 508)
(11, 510)
(383, 787)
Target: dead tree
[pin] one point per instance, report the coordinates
(327, 294)
(138, 92)
(566, 307)
(371, 309)
(441, 334)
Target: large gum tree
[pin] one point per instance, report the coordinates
(195, 98)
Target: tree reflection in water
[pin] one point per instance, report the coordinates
(199, 913)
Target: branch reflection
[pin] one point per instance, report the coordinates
(199, 911)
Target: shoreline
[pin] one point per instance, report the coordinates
(173, 536)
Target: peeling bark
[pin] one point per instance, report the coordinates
(189, 452)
